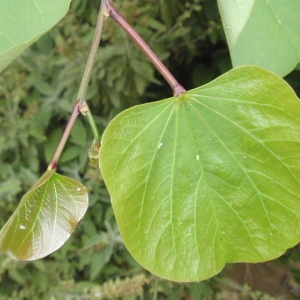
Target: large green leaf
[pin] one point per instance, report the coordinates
(209, 177)
(22, 22)
(45, 217)
(263, 33)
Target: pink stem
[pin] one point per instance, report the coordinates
(53, 163)
(113, 13)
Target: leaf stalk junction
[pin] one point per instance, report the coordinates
(108, 9)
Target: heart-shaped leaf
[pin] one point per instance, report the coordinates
(45, 217)
(22, 22)
(263, 33)
(209, 177)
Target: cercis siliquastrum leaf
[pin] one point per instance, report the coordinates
(209, 177)
(45, 217)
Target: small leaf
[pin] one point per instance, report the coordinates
(98, 261)
(79, 134)
(70, 153)
(23, 22)
(263, 33)
(45, 217)
(207, 178)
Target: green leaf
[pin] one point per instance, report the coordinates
(79, 134)
(98, 261)
(209, 177)
(45, 217)
(22, 22)
(70, 154)
(263, 33)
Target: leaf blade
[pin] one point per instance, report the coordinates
(263, 33)
(192, 178)
(24, 22)
(45, 217)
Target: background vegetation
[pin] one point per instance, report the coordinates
(37, 93)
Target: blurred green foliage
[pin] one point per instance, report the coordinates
(37, 93)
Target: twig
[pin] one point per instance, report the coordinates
(113, 13)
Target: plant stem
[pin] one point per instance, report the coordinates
(93, 126)
(103, 14)
(53, 163)
(113, 13)
(81, 106)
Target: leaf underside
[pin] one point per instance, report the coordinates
(263, 33)
(45, 217)
(209, 177)
(22, 22)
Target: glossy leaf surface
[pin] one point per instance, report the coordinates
(22, 22)
(263, 33)
(45, 217)
(207, 178)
